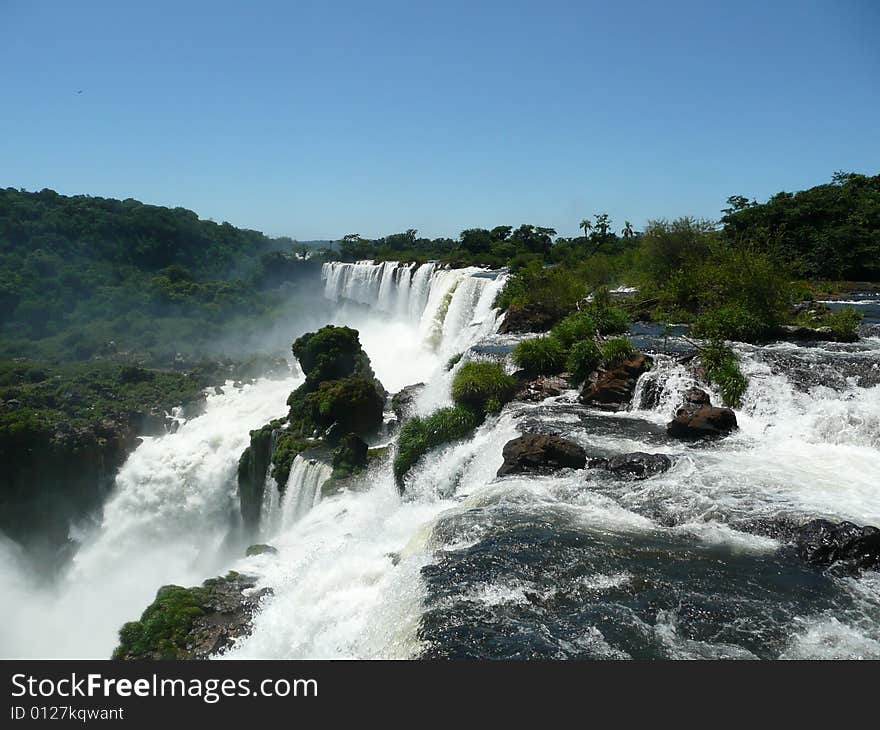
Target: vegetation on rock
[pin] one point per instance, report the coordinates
(482, 386)
(420, 435)
(540, 356)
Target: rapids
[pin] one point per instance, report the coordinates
(573, 565)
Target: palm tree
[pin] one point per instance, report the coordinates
(627, 230)
(586, 225)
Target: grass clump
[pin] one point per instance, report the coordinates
(583, 358)
(575, 327)
(419, 435)
(482, 386)
(540, 356)
(616, 351)
(722, 369)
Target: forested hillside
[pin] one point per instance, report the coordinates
(83, 276)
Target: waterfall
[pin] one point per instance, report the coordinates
(413, 318)
(167, 521)
(303, 489)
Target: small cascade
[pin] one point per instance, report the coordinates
(303, 490)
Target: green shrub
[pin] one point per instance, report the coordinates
(616, 351)
(419, 435)
(722, 368)
(540, 356)
(573, 328)
(844, 323)
(555, 290)
(477, 383)
(584, 357)
(609, 320)
(733, 322)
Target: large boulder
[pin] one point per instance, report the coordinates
(332, 353)
(822, 542)
(541, 452)
(404, 401)
(704, 423)
(192, 623)
(527, 318)
(637, 465)
(613, 390)
(544, 386)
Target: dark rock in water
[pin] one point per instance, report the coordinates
(541, 452)
(260, 550)
(192, 623)
(545, 386)
(403, 402)
(613, 390)
(697, 418)
(527, 318)
(637, 465)
(822, 542)
(696, 398)
(778, 528)
(811, 334)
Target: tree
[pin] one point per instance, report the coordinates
(627, 230)
(586, 224)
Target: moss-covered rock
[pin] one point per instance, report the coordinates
(191, 623)
(331, 353)
(260, 549)
(350, 457)
(253, 467)
(340, 398)
(349, 405)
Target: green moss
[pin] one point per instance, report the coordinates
(540, 356)
(583, 358)
(285, 449)
(453, 361)
(164, 626)
(350, 457)
(616, 351)
(331, 353)
(419, 435)
(479, 382)
(351, 404)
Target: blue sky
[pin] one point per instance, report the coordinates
(317, 119)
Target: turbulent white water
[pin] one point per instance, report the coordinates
(167, 521)
(367, 573)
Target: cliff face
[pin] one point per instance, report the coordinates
(64, 433)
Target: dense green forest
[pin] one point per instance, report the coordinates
(738, 278)
(83, 276)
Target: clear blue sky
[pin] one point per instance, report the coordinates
(316, 119)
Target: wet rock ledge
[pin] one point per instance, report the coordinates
(192, 623)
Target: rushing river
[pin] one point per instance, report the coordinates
(578, 564)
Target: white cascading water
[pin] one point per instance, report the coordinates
(166, 522)
(347, 578)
